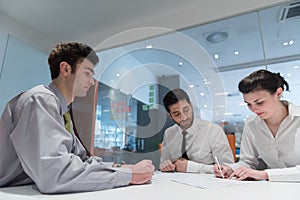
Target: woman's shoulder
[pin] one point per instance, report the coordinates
(294, 109)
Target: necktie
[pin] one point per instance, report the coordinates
(183, 146)
(67, 118)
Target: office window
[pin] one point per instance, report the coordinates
(116, 114)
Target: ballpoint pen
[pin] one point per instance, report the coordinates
(219, 166)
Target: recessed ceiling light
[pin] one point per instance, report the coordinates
(205, 106)
(288, 43)
(117, 74)
(216, 56)
(149, 46)
(221, 93)
(191, 86)
(201, 94)
(180, 63)
(216, 37)
(289, 75)
(236, 52)
(296, 67)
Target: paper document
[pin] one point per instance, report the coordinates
(204, 181)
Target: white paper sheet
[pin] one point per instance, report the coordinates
(204, 181)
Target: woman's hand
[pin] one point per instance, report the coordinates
(226, 171)
(244, 173)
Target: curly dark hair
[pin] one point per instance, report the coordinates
(72, 53)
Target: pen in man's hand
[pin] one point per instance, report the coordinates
(219, 166)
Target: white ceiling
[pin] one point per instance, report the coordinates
(105, 24)
(258, 36)
(93, 21)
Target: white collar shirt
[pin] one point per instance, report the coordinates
(281, 153)
(204, 141)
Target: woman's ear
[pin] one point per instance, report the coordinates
(279, 92)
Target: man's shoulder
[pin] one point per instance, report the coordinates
(205, 123)
(39, 90)
(41, 94)
(172, 129)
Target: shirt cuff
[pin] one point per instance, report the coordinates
(125, 175)
(291, 174)
(194, 167)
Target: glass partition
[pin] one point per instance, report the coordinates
(262, 39)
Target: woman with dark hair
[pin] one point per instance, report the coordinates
(271, 136)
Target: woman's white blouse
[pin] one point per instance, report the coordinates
(280, 153)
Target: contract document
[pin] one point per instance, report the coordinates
(204, 181)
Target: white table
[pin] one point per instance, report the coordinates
(168, 189)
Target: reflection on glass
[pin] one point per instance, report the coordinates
(264, 39)
(115, 126)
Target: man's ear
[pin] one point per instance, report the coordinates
(65, 68)
(170, 115)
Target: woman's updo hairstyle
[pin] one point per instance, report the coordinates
(262, 80)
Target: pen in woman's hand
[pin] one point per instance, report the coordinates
(219, 166)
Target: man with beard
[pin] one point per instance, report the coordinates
(191, 144)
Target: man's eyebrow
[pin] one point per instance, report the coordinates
(174, 112)
(91, 70)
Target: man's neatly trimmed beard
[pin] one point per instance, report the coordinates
(184, 128)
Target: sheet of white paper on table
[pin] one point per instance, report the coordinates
(204, 182)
